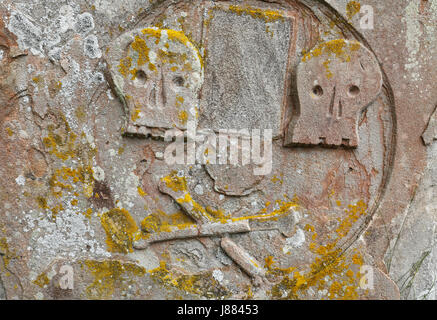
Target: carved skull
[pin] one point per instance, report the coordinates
(335, 82)
(157, 74)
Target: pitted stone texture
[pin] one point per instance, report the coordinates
(247, 90)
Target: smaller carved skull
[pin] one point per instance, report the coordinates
(335, 82)
(157, 74)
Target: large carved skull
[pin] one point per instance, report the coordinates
(157, 74)
(335, 82)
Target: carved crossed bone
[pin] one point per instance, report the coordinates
(207, 226)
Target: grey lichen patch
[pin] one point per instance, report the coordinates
(29, 35)
(91, 47)
(84, 23)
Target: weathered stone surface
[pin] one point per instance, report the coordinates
(90, 208)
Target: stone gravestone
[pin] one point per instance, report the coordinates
(201, 149)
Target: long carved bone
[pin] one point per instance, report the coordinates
(242, 258)
(194, 231)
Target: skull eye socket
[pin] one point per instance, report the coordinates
(141, 76)
(317, 91)
(353, 91)
(179, 81)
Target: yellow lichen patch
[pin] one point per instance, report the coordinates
(338, 48)
(161, 222)
(174, 182)
(269, 262)
(217, 214)
(328, 71)
(110, 275)
(9, 131)
(198, 210)
(42, 280)
(332, 269)
(64, 144)
(256, 13)
(56, 145)
(84, 175)
(88, 213)
(183, 117)
(182, 38)
(125, 65)
(202, 285)
(6, 253)
(284, 209)
(141, 192)
(151, 37)
(354, 212)
(249, 293)
(352, 8)
(56, 209)
(135, 115)
(121, 230)
(42, 202)
(179, 101)
(140, 46)
(275, 179)
(120, 150)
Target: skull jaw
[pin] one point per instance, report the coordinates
(331, 133)
(152, 114)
